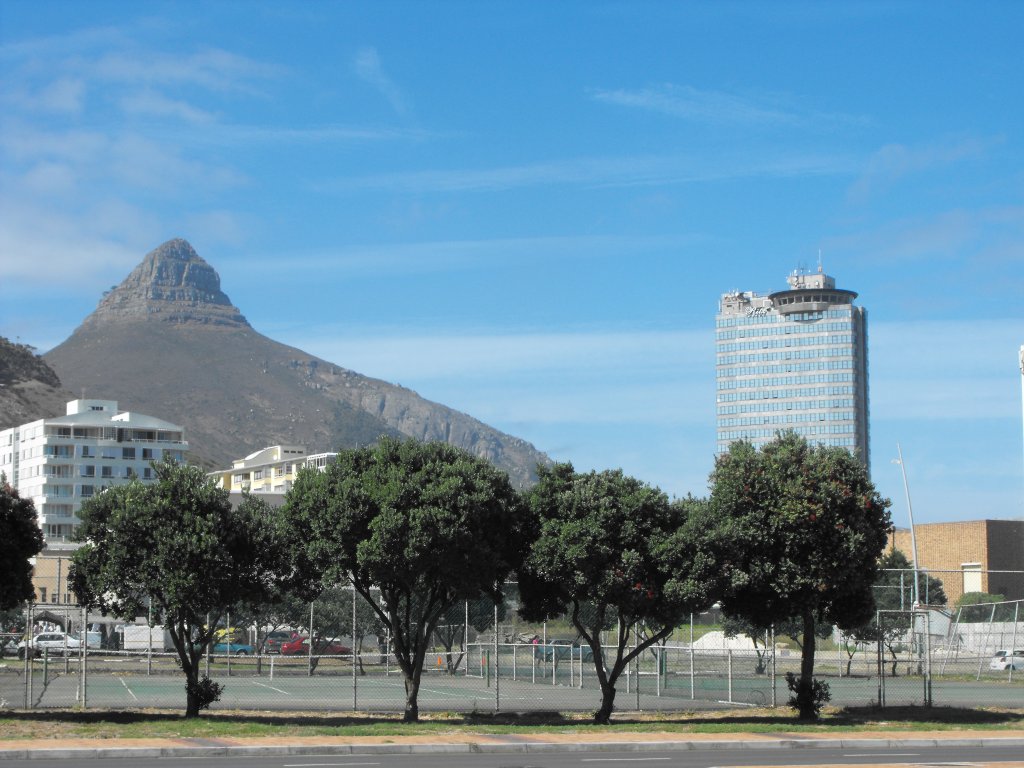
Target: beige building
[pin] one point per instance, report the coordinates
(971, 556)
(270, 470)
(50, 575)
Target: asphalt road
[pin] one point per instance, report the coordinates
(687, 758)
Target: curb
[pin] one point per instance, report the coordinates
(252, 750)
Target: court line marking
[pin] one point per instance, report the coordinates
(130, 693)
(264, 685)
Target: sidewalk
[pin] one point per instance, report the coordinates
(503, 743)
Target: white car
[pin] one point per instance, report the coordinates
(1005, 660)
(53, 643)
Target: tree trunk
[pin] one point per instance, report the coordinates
(412, 707)
(604, 714)
(192, 704)
(804, 699)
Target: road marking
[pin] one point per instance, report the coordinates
(313, 765)
(621, 759)
(264, 685)
(128, 689)
(883, 754)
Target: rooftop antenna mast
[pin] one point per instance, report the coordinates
(819, 261)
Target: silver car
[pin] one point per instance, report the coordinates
(52, 643)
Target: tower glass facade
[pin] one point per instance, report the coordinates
(793, 360)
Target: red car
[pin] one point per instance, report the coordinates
(299, 646)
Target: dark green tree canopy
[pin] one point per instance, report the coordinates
(178, 546)
(894, 587)
(805, 528)
(612, 549)
(415, 526)
(20, 539)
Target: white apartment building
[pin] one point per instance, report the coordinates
(270, 470)
(793, 360)
(61, 461)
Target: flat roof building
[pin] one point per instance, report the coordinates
(61, 461)
(270, 470)
(793, 360)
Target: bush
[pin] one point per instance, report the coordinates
(808, 698)
(205, 691)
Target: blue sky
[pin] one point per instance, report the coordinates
(528, 211)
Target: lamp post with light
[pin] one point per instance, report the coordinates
(910, 512)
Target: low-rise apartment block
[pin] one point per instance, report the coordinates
(270, 470)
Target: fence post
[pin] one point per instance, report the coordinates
(29, 653)
(149, 642)
(85, 657)
(775, 702)
(228, 638)
(309, 646)
(728, 658)
(355, 683)
(659, 657)
(879, 660)
(465, 632)
(988, 634)
(497, 663)
(636, 660)
(1013, 638)
(927, 658)
(206, 650)
(693, 685)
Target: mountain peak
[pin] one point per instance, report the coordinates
(173, 284)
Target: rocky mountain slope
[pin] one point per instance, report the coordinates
(168, 342)
(29, 388)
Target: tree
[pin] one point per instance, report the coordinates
(983, 606)
(893, 591)
(615, 546)
(452, 627)
(426, 524)
(20, 540)
(804, 528)
(791, 628)
(178, 545)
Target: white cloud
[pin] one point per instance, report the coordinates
(79, 249)
(149, 103)
(603, 172)
(693, 104)
(213, 69)
(718, 108)
(66, 94)
(894, 161)
(945, 370)
(368, 67)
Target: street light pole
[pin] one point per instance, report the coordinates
(910, 512)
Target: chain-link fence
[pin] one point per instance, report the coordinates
(484, 657)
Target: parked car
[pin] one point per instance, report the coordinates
(235, 649)
(562, 649)
(53, 643)
(1005, 660)
(275, 640)
(299, 646)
